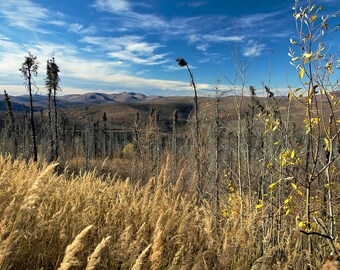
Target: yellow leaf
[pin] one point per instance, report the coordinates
(301, 73)
(272, 185)
(295, 58)
(260, 204)
(307, 55)
(315, 120)
(313, 18)
(292, 155)
(301, 224)
(290, 96)
(294, 186)
(329, 67)
(224, 213)
(308, 36)
(297, 15)
(297, 161)
(287, 212)
(299, 192)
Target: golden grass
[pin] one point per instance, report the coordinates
(76, 248)
(50, 222)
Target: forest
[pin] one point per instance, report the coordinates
(238, 180)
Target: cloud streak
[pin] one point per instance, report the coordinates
(24, 14)
(132, 49)
(253, 49)
(76, 70)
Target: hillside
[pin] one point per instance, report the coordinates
(121, 108)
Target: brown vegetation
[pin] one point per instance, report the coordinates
(155, 226)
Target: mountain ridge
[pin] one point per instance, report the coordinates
(74, 100)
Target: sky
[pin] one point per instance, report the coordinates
(132, 45)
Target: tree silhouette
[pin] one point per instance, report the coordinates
(29, 69)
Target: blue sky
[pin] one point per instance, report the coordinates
(131, 45)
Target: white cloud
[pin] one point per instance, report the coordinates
(172, 68)
(24, 14)
(213, 38)
(253, 49)
(202, 47)
(80, 29)
(254, 20)
(132, 20)
(219, 38)
(29, 15)
(144, 59)
(58, 23)
(129, 48)
(135, 20)
(77, 71)
(112, 5)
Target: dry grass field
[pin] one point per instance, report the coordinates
(51, 221)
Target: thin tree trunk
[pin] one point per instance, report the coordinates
(34, 138)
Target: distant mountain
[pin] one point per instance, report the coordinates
(102, 98)
(74, 100)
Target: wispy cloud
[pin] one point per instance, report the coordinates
(58, 23)
(263, 25)
(24, 14)
(203, 47)
(218, 38)
(195, 3)
(150, 60)
(258, 19)
(112, 5)
(80, 29)
(132, 19)
(253, 49)
(129, 48)
(31, 16)
(77, 70)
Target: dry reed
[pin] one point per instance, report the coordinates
(40, 213)
(142, 259)
(96, 258)
(71, 259)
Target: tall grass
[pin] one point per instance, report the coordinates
(51, 221)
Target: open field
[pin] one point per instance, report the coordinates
(159, 225)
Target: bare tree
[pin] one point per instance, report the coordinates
(197, 142)
(29, 69)
(11, 126)
(52, 84)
